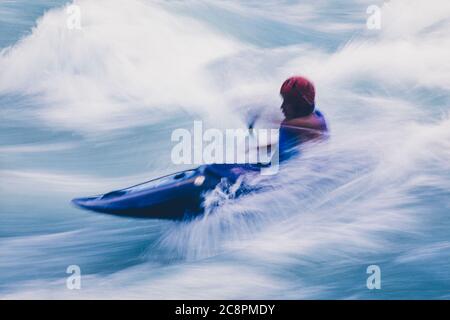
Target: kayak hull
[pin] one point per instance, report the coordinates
(175, 196)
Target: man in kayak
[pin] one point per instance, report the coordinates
(171, 197)
(298, 107)
(302, 121)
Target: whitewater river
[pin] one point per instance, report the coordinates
(88, 108)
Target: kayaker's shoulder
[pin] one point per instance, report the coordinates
(315, 121)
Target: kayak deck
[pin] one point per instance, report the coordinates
(174, 196)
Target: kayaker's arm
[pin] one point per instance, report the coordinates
(308, 122)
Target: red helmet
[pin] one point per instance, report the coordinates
(300, 87)
(298, 97)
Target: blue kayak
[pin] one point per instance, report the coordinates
(174, 196)
(181, 194)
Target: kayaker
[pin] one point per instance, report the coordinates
(298, 105)
(302, 121)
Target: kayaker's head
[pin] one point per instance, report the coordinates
(298, 97)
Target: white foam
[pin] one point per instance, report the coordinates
(128, 65)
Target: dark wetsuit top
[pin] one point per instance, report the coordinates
(291, 137)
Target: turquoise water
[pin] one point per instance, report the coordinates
(91, 110)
